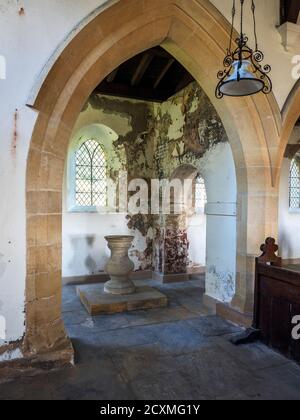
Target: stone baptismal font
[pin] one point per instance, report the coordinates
(120, 266)
(119, 294)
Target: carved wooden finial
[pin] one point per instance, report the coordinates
(269, 249)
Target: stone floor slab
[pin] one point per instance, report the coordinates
(166, 387)
(96, 301)
(159, 354)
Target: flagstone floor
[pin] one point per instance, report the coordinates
(181, 352)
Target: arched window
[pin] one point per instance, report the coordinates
(294, 192)
(200, 194)
(91, 175)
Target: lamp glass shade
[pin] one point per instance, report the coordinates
(242, 82)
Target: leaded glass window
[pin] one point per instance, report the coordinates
(295, 183)
(91, 175)
(200, 194)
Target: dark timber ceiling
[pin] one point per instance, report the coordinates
(153, 75)
(289, 10)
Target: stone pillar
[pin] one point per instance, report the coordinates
(257, 220)
(45, 332)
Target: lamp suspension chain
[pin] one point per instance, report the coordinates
(241, 38)
(243, 74)
(254, 23)
(242, 17)
(233, 13)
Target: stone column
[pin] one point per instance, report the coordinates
(257, 220)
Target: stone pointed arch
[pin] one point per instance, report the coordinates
(197, 35)
(290, 116)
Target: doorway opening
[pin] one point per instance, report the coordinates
(152, 121)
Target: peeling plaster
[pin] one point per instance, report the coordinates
(142, 252)
(187, 126)
(220, 284)
(10, 355)
(157, 139)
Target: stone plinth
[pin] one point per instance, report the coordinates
(97, 301)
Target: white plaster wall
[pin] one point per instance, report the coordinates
(219, 174)
(289, 220)
(197, 239)
(221, 257)
(85, 251)
(27, 42)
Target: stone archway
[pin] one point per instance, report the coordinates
(290, 116)
(288, 222)
(197, 35)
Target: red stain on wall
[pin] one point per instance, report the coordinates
(15, 133)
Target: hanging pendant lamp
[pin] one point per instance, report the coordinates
(243, 74)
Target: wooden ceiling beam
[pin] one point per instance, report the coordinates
(134, 92)
(186, 80)
(159, 52)
(141, 69)
(139, 79)
(164, 72)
